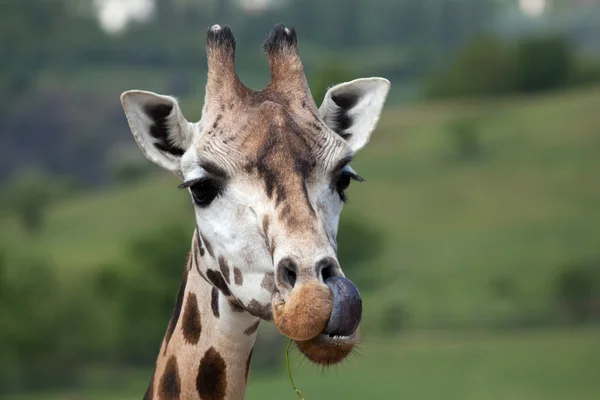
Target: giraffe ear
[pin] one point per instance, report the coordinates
(352, 109)
(158, 127)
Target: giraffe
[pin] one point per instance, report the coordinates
(266, 172)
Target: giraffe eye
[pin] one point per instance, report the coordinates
(204, 191)
(343, 181)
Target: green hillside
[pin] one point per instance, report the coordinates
(527, 205)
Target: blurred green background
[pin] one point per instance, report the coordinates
(475, 240)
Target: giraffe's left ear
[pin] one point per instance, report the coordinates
(352, 109)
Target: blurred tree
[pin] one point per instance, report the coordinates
(543, 63)
(577, 289)
(484, 67)
(142, 290)
(29, 194)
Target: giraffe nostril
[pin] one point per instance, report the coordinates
(327, 268)
(287, 273)
(290, 277)
(326, 273)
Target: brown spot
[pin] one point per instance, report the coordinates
(214, 301)
(248, 364)
(149, 395)
(216, 123)
(273, 246)
(217, 280)
(176, 311)
(315, 126)
(252, 328)
(268, 282)
(266, 223)
(208, 246)
(236, 306)
(191, 324)
(259, 310)
(237, 276)
(197, 243)
(211, 382)
(224, 268)
(170, 383)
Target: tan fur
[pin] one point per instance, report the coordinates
(305, 313)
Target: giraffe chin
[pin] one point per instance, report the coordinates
(328, 350)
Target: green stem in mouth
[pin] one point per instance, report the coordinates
(287, 363)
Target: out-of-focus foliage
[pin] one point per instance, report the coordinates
(543, 63)
(142, 289)
(28, 195)
(577, 291)
(489, 66)
(485, 67)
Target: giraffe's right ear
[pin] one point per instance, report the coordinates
(158, 127)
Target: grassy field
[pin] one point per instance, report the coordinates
(526, 365)
(525, 207)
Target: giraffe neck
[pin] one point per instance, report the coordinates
(207, 349)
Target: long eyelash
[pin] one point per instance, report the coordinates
(357, 178)
(187, 184)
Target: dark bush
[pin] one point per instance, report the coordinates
(577, 291)
(484, 67)
(488, 67)
(543, 63)
(41, 340)
(146, 290)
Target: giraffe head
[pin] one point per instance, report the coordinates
(266, 172)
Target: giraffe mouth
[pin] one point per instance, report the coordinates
(340, 336)
(327, 349)
(322, 319)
